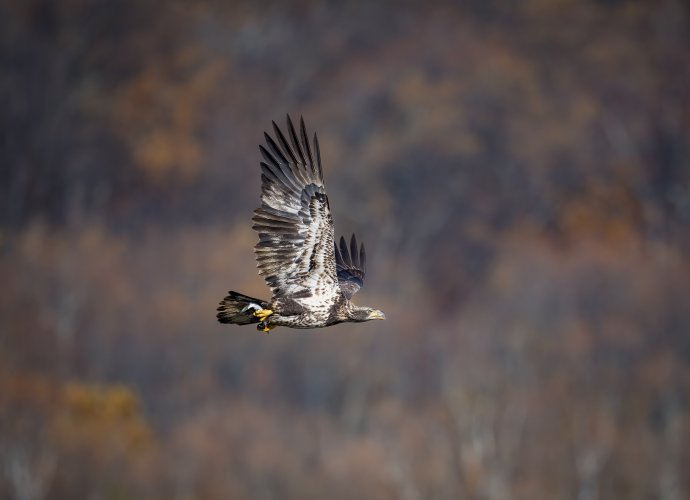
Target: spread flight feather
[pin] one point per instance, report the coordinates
(311, 279)
(295, 249)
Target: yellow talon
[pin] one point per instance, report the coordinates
(262, 314)
(265, 327)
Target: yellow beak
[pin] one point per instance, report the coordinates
(377, 315)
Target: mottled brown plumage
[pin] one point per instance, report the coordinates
(311, 279)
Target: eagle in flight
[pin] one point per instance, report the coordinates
(311, 278)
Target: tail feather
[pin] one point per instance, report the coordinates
(238, 309)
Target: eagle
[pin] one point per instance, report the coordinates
(312, 280)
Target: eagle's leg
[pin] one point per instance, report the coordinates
(262, 314)
(265, 327)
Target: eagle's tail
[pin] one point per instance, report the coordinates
(238, 309)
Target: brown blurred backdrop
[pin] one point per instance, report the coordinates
(519, 172)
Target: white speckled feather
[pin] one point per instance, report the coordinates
(295, 252)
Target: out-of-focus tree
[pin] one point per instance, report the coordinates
(518, 172)
(53, 434)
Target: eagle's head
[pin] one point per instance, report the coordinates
(359, 314)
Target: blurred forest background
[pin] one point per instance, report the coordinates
(519, 172)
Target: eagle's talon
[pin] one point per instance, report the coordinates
(262, 314)
(264, 327)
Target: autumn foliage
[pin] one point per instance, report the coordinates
(519, 173)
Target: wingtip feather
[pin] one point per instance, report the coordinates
(305, 144)
(363, 259)
(354, 254)
(294, 140)
(345, 252)
(318, 157)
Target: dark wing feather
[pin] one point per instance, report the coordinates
(295, 249)
(350, 265)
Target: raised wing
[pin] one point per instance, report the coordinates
(351, 266)
(295, 249)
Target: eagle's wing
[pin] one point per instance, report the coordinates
(295, 249)
(351, 266)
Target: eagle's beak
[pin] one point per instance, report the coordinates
(377, 315)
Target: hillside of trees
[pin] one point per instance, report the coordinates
(519, 172)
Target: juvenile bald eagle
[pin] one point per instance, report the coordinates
(312, 280)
